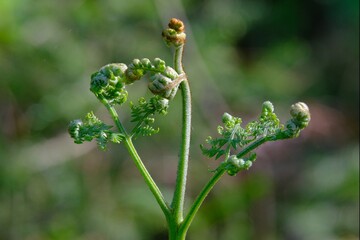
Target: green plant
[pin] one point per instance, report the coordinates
(235, 144)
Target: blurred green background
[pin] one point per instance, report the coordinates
(239, 53)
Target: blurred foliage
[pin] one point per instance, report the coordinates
(239, 54)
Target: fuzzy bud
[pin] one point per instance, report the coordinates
(136, 63)
(226, 118)
(98, 82)
(146, 63)
(113, 70)
(268, 106)
(170, 72)
(174, 35)
(234, 165)
(177, 25)
(301, 114)
(161, 104)
(300, 119)
(111, 74)
(158, 83)
(132, 74)
(110, 82)
(159, 64)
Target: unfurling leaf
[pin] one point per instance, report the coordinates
(93, 128)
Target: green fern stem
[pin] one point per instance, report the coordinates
(179, 194)
(138, 162)
(209, 186)
(197, 203)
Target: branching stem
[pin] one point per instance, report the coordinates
(209, 186)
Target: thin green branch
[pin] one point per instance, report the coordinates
(178, 55)
(148, 179)
(114, 115)
(208, 187)
(138, 162)
(253, 145)
(198, 201)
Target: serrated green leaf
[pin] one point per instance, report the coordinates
(219, 154)
(143, 114)
(116, 137)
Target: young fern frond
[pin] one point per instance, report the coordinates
(109, 82)
(266, 124)
(266, 128)
(93, 128)
(143, 115)
(232, 136)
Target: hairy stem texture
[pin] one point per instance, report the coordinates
(179, 194)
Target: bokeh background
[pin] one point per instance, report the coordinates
(239, 53)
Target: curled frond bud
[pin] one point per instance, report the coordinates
(146, 63)
(226, 118)
(230, 121)
(164, 84)
(114, 71)
(174, 35)
(160, 104)
(301, 114)
(158, 86)
(267, 107)
(177, 25)
(159, 64)
(74, 130)
(233, 164)
(110, 82)
(138, 68)
(170, 72)
(98, 82)
(133, 74)
(236, 162)
(300, 119)
(93, 128)
(136, 62)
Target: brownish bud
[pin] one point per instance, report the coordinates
(171, 37)
(177, 25)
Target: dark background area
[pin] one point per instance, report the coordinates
(238, 55)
